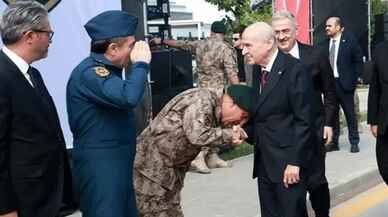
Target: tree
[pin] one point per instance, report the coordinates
(377, 7)
(242, 13)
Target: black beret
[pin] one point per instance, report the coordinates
(243, 96)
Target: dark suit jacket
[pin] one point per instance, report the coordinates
(323, 112)
(282, 123)
(32, 149)
(349, 60)
(378, 89)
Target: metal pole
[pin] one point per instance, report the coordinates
(369, 30)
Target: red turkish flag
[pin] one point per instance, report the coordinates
(301, 10)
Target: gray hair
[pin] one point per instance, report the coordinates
(20, 17)
(284, 14)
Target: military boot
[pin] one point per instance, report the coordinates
(214, 161)
(198, 165)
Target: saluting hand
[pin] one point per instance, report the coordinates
(141, 52)
(291, 175)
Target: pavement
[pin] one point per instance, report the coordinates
(231, 192)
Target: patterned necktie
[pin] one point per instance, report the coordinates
(264, 78)
(332, 54)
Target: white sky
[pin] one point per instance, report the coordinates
(202, 10)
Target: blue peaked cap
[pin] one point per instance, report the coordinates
(111, 24)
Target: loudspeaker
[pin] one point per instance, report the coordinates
(171, 74)
(354, 15)
(158, 9)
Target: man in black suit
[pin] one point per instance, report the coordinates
(378, 106)
(33, 162)
(345, 57)
(281, 123)
(284, 26)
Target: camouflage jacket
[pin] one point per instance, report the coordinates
(216, 61)
(188, 122)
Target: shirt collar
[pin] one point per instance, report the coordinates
(295, 51)
(337, 38)
(271, 61)
(17, 60)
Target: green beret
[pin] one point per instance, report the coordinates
(243, 96)
(218, 27)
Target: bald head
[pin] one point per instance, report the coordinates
(258, 43)
(259, 31)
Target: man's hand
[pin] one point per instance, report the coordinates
(373, 130)
(156, 41)
(239, 135)
(11, 214)
(328, 134)
(291, 175)
(141, 52)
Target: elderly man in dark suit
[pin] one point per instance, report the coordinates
(33, 162)
(285, 28)
(378, 107)
(282, 127)
(345, 57)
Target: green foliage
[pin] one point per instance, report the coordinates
(377, 7)
(242, 13)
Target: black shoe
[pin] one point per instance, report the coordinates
(332, 147)
(354, 149)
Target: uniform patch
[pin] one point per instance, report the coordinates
(101, 71)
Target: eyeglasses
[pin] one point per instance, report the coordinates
(49, 32)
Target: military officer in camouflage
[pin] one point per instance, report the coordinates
(190, 121)
(216, 67)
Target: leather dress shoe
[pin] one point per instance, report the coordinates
(354, 149)
(332, 147)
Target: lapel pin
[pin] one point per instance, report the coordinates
(280, 72)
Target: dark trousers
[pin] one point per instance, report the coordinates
(279, 201)
(346, 101)
(320, 200)
(317, 185)
(382, 155)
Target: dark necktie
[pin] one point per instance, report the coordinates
(332, 54)
(264, 78)
(32, 77)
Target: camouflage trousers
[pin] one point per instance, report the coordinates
(155, 201)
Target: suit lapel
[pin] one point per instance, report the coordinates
(302, 51)
(30, 91)
(273, 78)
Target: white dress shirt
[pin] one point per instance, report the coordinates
(19, 62)
(295, 51)
(337, 43)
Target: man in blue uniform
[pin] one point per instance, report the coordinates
(100, 100)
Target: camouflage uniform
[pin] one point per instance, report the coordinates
(165, 149)
(216, 61)
(216, 66)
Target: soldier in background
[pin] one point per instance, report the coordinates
(190, 121)
(245, 70)
(217, 67)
